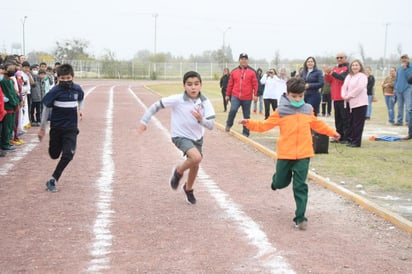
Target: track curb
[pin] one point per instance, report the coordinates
(384, 213)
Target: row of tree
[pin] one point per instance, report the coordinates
(76, 49)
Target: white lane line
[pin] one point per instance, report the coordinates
(20, 152)
(101, 247)
(267, 254)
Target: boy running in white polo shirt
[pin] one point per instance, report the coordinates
(191, 113)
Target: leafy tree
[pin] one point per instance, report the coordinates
(71, 50)
(161, 57)
(143, 55)
(109, 64)
(39, 56)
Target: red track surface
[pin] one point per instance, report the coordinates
(115, 212)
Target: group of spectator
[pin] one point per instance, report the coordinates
(22, 87)
(349, 87)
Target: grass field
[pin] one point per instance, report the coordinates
(378, 166)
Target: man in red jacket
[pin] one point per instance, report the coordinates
(241, 89)
(335, 78)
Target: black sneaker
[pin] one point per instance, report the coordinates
(51, 186)
(175, 179)
(190, 197)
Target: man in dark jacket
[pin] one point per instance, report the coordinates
(241, 89)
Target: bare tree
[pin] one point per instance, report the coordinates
(362, 53)
(276, 59)
(399, 49)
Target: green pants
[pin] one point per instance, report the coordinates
(8, 126)
(285, 169)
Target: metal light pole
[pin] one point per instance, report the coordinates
(154, 77)
(223, 45)
(224, 36)
(23, 21)
(155, 32)
(384, 49)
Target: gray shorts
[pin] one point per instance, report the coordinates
(184, 144)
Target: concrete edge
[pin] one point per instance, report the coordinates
(388, 215)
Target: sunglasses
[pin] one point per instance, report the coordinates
(339, 57)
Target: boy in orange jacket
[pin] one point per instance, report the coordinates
(294, 148)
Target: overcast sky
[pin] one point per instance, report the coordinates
(296, 29)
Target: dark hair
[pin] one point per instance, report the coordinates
(10, 60)
(191, 74)
(305, 66)
(65, 69)
(43, 63)
(295, 85)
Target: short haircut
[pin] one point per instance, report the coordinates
(65, 69)
(295, 85)
(191, 74)
(43, 63)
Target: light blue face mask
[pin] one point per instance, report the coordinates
(1, 77)
(297, 104)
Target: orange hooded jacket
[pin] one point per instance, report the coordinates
(295, 140)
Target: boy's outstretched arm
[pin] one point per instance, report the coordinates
(336, 136)
(148, 115)
(43, 124)
(142, 128)
(243, 121)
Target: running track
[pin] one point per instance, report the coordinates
(115, 213)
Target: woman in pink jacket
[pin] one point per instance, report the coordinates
(354, 92)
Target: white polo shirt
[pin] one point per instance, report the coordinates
(183, 123)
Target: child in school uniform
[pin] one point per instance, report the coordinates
(191, 113)
(295, 119)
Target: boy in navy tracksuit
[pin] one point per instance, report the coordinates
(64, 102)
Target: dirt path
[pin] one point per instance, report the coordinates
(115, 212)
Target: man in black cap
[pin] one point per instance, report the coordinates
(241, 89)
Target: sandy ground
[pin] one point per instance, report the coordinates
(115, 212)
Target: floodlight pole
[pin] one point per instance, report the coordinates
(385, 45)
(23, 21)
(155, 32)
(155, 15)
(224, 36)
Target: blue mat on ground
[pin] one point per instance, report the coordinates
(388, 138)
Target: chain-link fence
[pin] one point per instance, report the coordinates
(174, 71)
